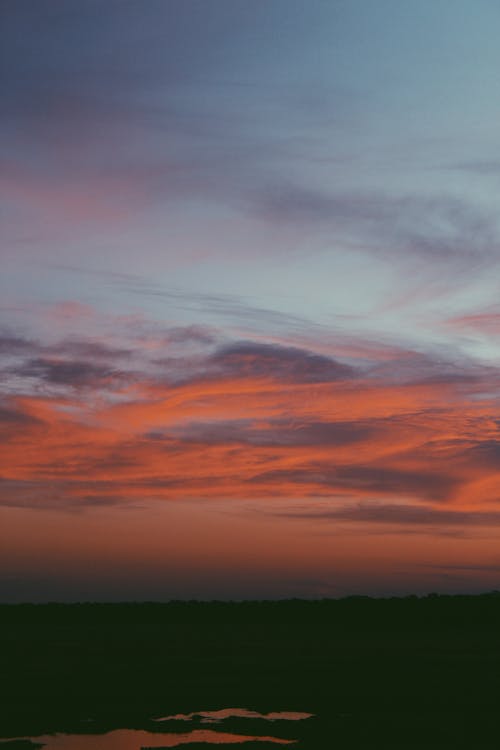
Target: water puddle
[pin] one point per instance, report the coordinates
(213, 717)
(133, 739)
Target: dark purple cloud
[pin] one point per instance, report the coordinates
(432, 485)
(288, 364)
(196, 334)
(74, 373)
(58, 494)
(14, 345)
(485, 453)
(12, 417)
(88, 350)
(380, 480)
(275, 433)
(395, 514)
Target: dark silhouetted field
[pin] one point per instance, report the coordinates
(405, 673)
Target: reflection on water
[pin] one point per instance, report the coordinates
(211, 717)
(130, 739)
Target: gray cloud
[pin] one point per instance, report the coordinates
(483, 168)
(438, 228)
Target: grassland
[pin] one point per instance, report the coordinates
(404, 672)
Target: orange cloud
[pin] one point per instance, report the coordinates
(256, 437)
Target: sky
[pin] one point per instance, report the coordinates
(249, 298)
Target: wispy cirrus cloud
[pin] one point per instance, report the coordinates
(485, 322)
(480, 167)
(439, 228)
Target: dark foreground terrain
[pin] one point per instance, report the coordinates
(376, 673)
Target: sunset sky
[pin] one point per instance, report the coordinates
(249, 298)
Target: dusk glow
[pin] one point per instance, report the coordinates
(249, 299)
